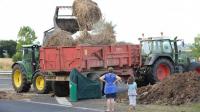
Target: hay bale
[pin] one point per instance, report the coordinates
(59, 38)
(87, 13)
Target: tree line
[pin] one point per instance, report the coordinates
(7, 48)
(13, 49)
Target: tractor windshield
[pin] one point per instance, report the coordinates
(146, 47)
(152, 46)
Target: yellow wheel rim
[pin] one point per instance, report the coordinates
(17, 78)
(40, 83)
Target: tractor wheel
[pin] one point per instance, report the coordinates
(41, 86)
(19, 80)
(161, 69)
(195, 67)
(61, 88)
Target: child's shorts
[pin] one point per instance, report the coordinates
(132, 100)
(112, 95)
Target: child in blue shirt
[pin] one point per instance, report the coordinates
(110, 88)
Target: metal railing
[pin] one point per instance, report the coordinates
(5, 72)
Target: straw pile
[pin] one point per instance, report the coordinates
(102, 34)
(87, 13)
(59, 38)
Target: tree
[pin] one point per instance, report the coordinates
(196, 47)
(26, 36)
(7, 46)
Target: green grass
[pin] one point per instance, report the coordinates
(161, 108)
(123, 107)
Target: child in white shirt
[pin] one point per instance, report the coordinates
(132, 93)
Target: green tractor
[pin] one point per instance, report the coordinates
(26, 72)
(162, 57)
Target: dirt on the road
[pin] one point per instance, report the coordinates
(177, 89)
(10, 95)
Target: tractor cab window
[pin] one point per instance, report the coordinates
(167, 46)
(37, 53)
(27, 53)
(146, 47)
(156, 47)
(149, 47)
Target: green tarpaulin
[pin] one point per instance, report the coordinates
(86, 88)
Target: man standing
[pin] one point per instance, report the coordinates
(110, 88)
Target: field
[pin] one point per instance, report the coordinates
(162, 108)
(5, 63)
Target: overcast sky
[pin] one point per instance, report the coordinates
(132, 17)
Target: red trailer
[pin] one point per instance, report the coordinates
(56, 63)
(61, 60)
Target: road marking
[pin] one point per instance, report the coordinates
(3, 78)
(63, 101)
(42, 103)
(4, 84)
(60, 105)
(5, 89)
(89, 109)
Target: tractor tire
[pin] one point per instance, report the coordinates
(195, 67)
(41, 86)
(60, 88)
(160, 70)
(19, 79)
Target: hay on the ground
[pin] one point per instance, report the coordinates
(87, 13)
(59, 38)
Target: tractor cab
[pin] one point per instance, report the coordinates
(153, 47)
(162, 56)
(30, 57)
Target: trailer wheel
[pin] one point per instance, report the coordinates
(195, 67)
(19, 80)
(61, 88)
(41, 86)
(93, 76)
(161, 69)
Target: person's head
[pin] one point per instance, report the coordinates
(131, 79)
(110, 69)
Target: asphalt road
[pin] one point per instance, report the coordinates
(38, 103)
(26, 106)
